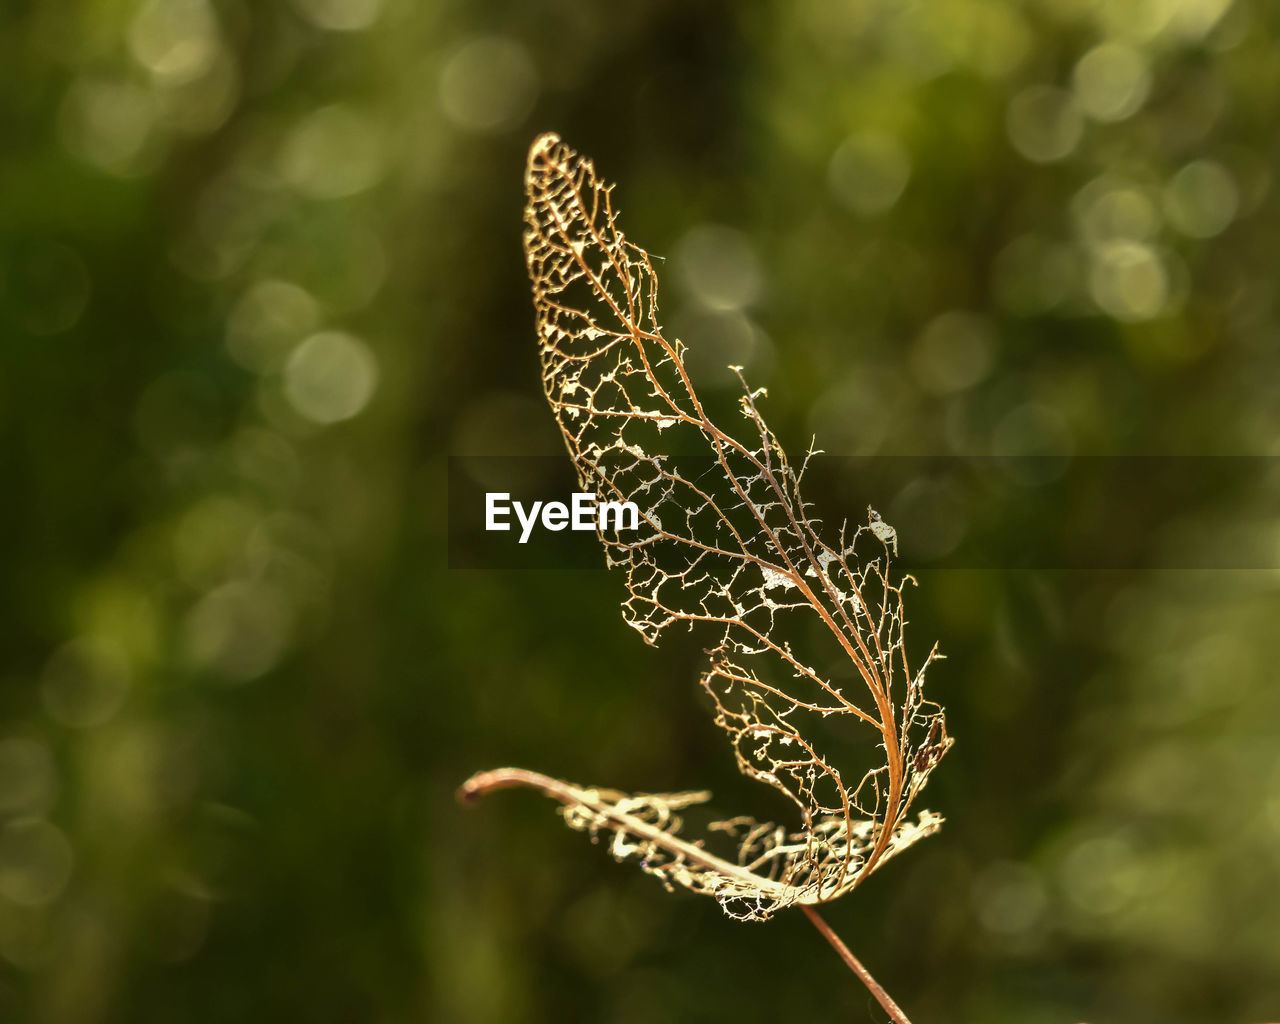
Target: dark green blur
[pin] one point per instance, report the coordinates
(260, 274)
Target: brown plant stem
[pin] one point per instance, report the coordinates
(882, 997)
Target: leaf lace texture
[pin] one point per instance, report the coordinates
(733, 553)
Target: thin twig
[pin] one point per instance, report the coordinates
(882, 997)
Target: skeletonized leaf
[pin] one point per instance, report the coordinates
(733, 553)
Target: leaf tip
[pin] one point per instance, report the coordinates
(468, 794)
(540, 151)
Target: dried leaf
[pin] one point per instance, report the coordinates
(733, 553)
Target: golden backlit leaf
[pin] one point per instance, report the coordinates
(733, 553)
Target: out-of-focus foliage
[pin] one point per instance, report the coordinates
(260, 272)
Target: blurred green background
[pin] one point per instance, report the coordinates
(260, 274)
